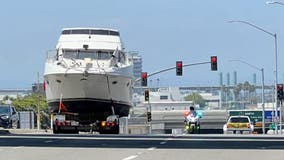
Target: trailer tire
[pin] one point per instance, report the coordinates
(116, 130)
(56, 129)
(113, 131)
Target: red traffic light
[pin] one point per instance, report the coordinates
(214, 63)
(280, 94)
(279, 87)
(179, 64)
(213, 59)
(179, 68)
(144, 75)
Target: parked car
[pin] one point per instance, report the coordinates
(9, 117)
(238, 124)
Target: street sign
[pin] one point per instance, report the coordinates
(255, 116)
(269, 114)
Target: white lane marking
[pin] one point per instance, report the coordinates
(151, 149)
(139, 153)
(163, 142)
(130, 157)
(48, 141)
(18, 147)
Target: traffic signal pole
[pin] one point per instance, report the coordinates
(150, 123)
(172, 68)
(144, 77)
(280, 97)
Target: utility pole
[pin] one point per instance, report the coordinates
(38, 103)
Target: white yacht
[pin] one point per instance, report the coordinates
(89, 72)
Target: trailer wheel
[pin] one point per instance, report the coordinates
(116, 130)
(113, 131)
(56, 129)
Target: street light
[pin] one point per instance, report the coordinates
(262, 88)
(275, 2)
(276, 65)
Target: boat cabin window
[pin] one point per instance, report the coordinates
(91, 31)
(78, 54)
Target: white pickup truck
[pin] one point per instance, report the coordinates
(238, 124)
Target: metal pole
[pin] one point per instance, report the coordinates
(262, 94)
(262, 101)
(171, 68)
(150, 110)
(38, 92)
(276, 82)
(51, 120)
(276, 65)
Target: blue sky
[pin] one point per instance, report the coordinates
(163, 31)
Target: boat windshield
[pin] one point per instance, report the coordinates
(93, 54)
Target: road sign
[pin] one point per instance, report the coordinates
(269, 114)
(255, 116)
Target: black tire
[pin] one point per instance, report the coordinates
(198, 130)
(13, 125)
(192, 130)
(116, 130)
(18, 125)
(10, 125)
(55, 129)
(75, 131)
(113, 131)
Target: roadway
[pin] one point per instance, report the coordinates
(141, 147)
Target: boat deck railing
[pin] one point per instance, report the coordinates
(51, 55)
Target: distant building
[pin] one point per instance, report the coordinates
(137, 66)
(6, 94)
(212, 101)
(38, 88)
(163, 99)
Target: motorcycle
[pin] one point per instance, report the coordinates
(192, 125)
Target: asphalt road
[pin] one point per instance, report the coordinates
(159, 147)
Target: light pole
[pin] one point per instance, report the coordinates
(262, 88)
(275, 2)
(274, 35)
(38, 103)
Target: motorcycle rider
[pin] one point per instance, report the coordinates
(192, 113)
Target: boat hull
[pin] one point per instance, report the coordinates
(98, 94)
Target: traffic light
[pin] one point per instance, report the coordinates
(280, 91)
(144, 77)
(146, 94)
(149, 116)
(214, 63)
(179, 68)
